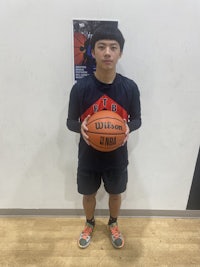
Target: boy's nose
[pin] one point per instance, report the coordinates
(107, 50)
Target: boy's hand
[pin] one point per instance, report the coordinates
(126, 133)
(84, 130)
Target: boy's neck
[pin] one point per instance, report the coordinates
(105, 77)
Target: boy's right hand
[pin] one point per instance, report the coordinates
(84, 130)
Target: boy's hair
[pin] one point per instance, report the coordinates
(108, 32)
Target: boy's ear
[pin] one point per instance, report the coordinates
(92, 51)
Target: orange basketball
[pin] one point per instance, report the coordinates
(106, 130)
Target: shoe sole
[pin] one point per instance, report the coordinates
(117, 247)
(82, 247)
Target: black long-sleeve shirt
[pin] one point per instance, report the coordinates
(88, 96)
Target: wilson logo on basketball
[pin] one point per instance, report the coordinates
(107, 125)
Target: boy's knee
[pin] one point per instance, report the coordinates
(89, 198)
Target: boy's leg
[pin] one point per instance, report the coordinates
(115, 183)
(114, 206)
(88, 183)
(89, 203)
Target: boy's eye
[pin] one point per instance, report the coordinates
(101, 47)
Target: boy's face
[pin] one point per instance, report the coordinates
(106, 54)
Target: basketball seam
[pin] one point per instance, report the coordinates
(106, 133)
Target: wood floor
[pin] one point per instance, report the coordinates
(52, 242)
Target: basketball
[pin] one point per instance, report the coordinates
(106, 130)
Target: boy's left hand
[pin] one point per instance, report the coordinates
(126, 133)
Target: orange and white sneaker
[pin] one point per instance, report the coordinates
(85, 236)
(116, 237)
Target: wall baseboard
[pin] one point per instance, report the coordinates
(101, 212)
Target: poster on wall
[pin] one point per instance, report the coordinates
(84, 63)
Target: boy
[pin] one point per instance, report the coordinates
(105, 89)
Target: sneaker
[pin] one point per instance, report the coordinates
(116, 237)
(85, 236)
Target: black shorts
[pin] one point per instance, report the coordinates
(89, 182)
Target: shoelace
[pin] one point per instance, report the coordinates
(115, 232)
(86, 232)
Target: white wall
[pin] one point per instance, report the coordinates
(38, 155)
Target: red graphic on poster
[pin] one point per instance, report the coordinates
(79, 48)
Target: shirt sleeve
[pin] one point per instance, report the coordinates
(73, 120)
(135, 111)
